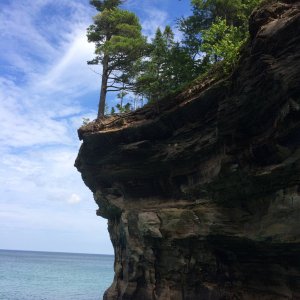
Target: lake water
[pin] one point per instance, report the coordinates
(28, 275)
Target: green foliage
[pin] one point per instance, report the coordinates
(121, 96)
(212, 38)
(222, 42)
(236, 12)
(217, 29)
(120, 107)
(167, 66)
(117, 33)
(100, 5)
(85, 121)
(125, 108)
(118, 44)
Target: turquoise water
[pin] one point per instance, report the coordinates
(26, 275)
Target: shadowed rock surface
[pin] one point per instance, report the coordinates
(202, 191)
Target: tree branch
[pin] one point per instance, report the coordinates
(95, 71)
(115, 90)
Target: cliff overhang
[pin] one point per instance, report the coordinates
(202, 190)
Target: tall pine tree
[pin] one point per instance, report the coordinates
(166, 68)
(118, 42)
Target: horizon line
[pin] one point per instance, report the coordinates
(61, 252)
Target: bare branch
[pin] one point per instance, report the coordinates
(116, 90)
(95, 71)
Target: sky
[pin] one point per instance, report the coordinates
(46, 89)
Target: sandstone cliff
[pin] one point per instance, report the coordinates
(202, 191)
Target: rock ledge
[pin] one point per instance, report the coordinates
(202, 194)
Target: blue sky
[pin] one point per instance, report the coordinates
(46, 89)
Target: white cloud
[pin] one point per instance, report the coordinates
(18, 30)
(71, 73)
(45, 90)
(37, 108)
(74, 199)
(155, 18)
(43, 81)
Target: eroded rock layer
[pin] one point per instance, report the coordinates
(202, 191)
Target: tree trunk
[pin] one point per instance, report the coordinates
(101, 106)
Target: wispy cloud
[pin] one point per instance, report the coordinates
(45, 90)
(156, 13)
(44, 81)
(154, 18)
(30, 107)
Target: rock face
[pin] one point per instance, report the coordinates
(202, 191)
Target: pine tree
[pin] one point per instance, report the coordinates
(167, 67)
(118, 42)
(211, 15)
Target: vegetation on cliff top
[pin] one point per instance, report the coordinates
(133, 66)
(119, 43)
